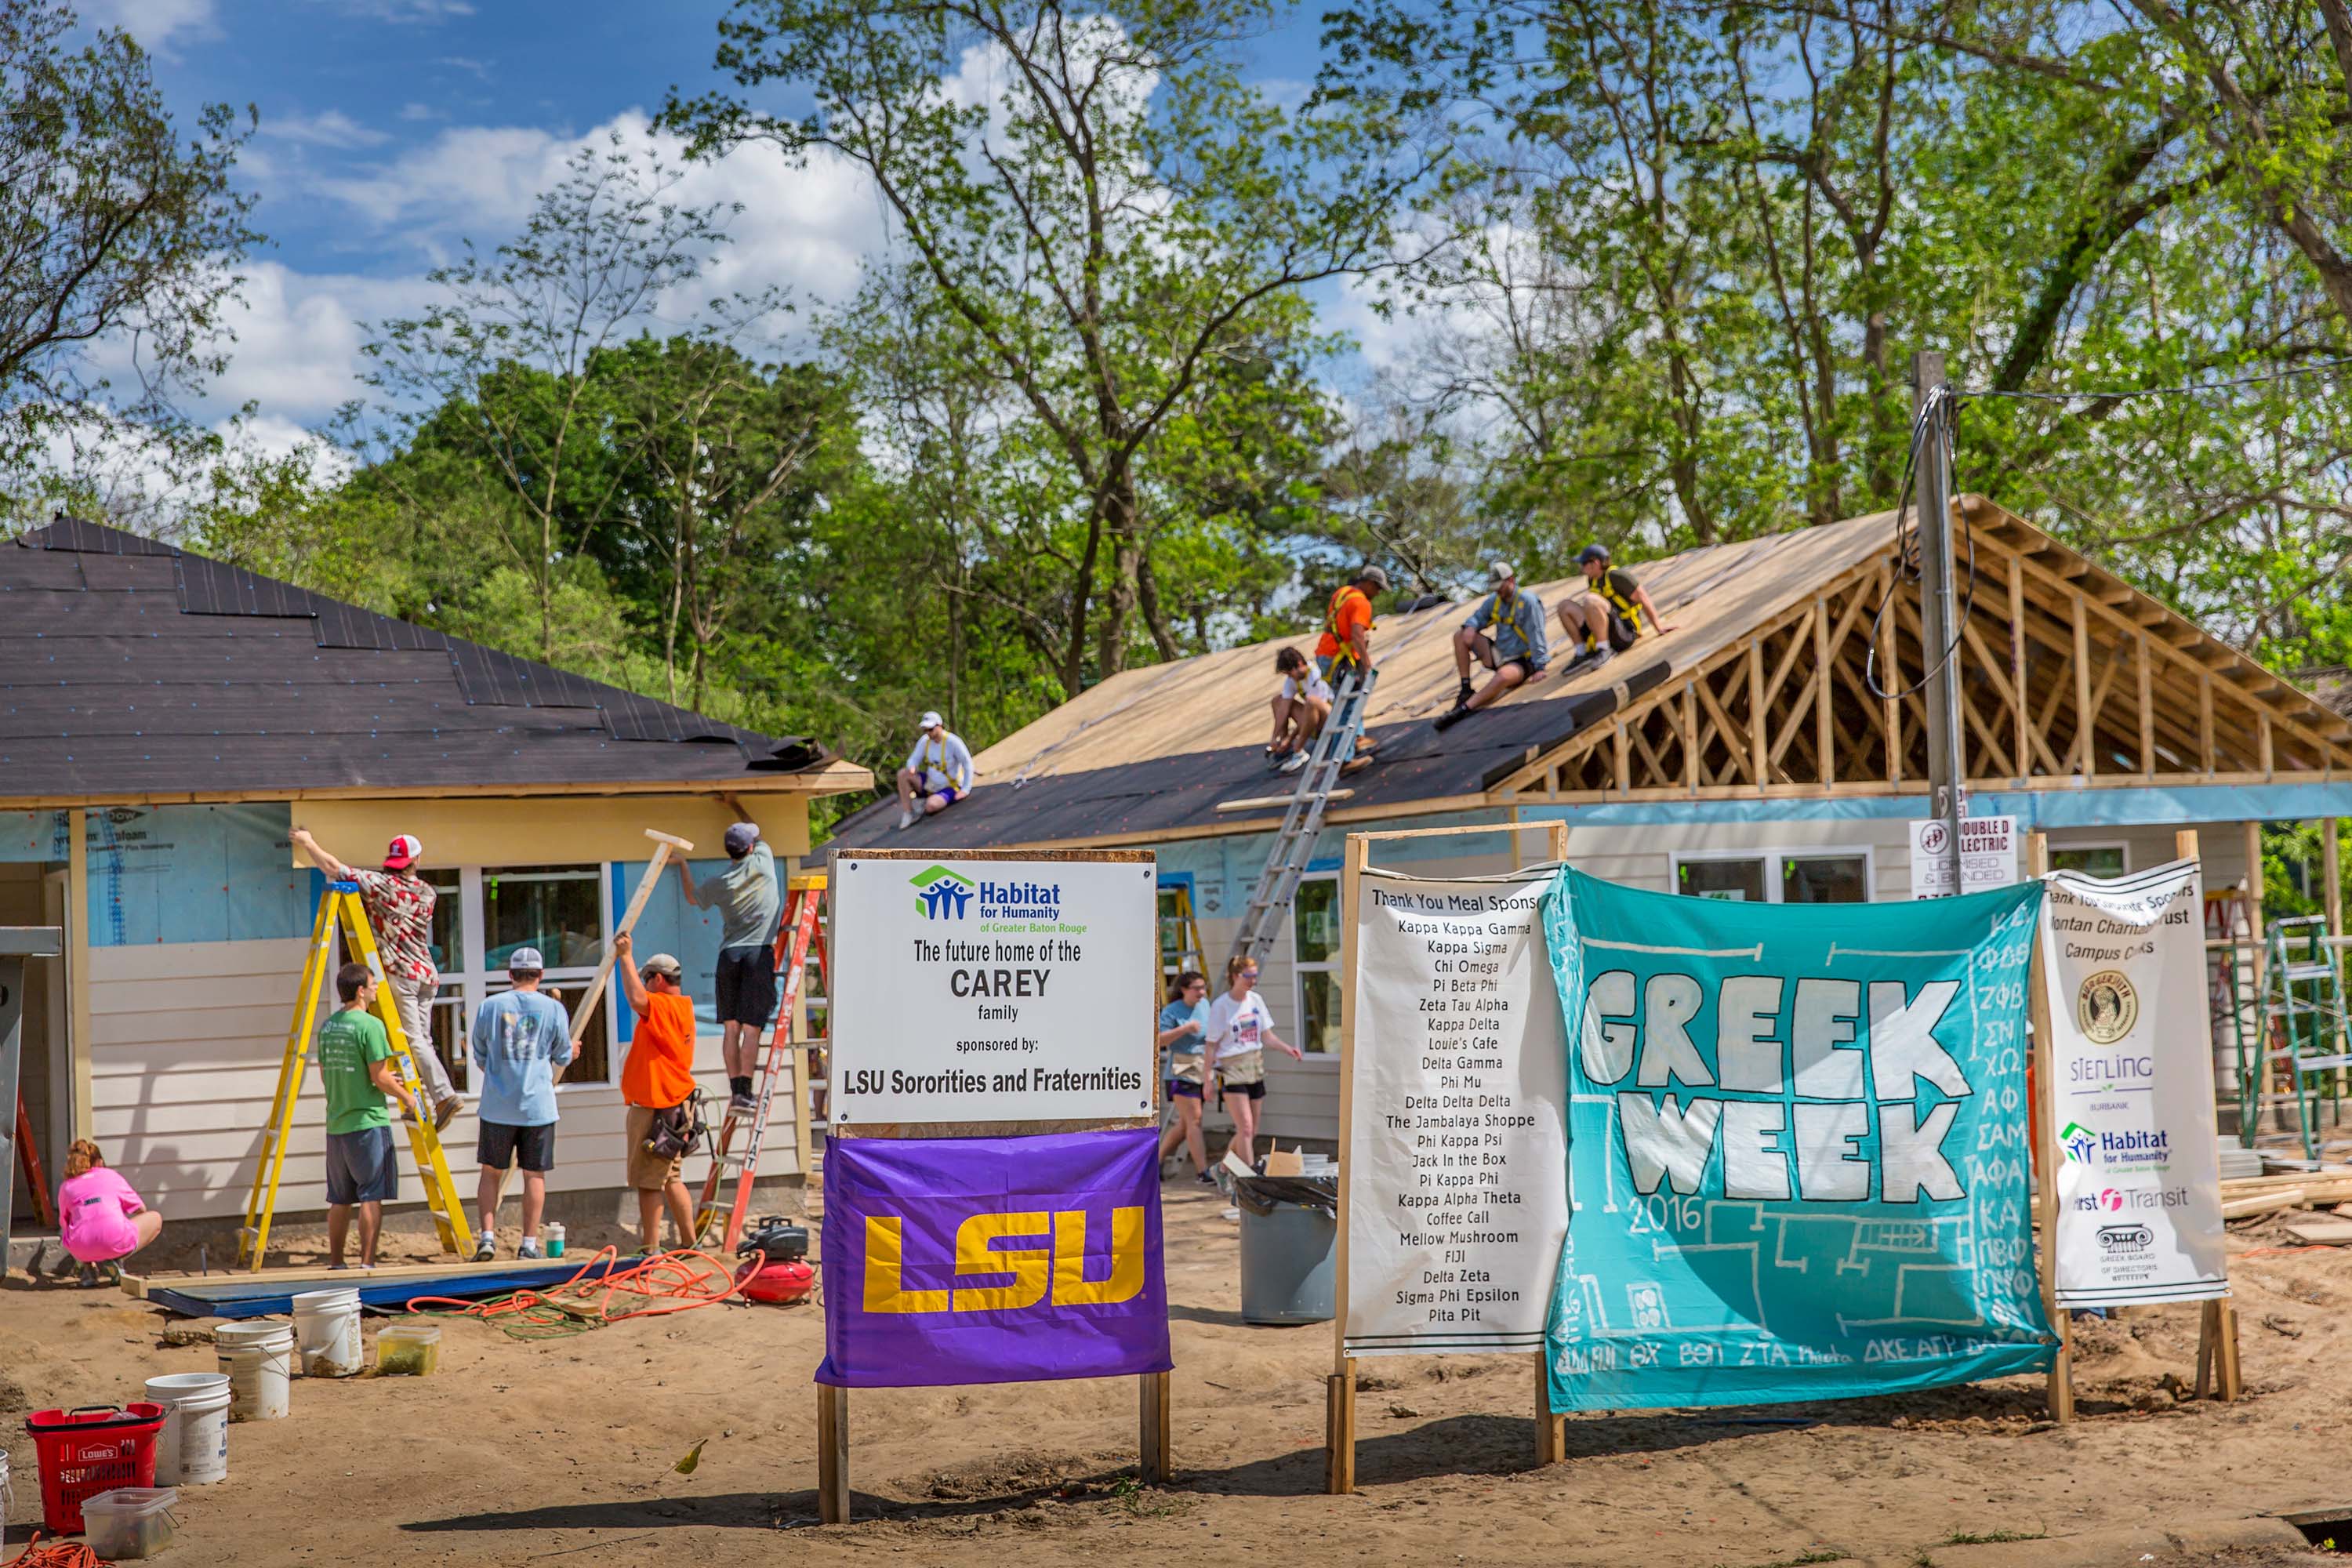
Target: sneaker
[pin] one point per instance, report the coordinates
(1296, 761)
(485, 1249)
(1203, 1179)
(905, 820)
(742, 1105)
(1446, 720)
(446, 1112)
(530, 1248)
(1462, 698)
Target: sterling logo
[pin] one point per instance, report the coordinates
(1030, 1268)
(942, 895)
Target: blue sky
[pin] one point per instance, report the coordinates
(392, 130)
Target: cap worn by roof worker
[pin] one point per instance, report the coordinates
(525, 961)
(1499, 573)
(1377, 576)
(1592, 553)
(404, 852)
(932, 721)
(661, 964)
(740, 837)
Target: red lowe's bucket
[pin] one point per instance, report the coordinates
(93, 1449)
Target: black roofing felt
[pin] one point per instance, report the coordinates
(130, 667)
(1416, 762)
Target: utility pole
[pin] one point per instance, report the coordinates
(1939, 612)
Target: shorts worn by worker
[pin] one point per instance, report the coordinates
(945, 796)
(1244, 1075)
(745, 981)
(501, 1145)
(1182, 1089)
(648, 1172)
(1483, 647)
(1621, 634)
(361, 1168)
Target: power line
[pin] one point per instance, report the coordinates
(2319, 369)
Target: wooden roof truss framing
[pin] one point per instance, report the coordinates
(2069, 677)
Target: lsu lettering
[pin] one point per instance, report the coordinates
(1045, 1249)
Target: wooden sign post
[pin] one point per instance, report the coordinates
(2043, 1128)
(832, 1402)
(2217, 1323)
(1339, 1388)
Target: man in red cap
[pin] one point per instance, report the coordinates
(399, 906)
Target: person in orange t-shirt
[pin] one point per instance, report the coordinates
(657, 1075)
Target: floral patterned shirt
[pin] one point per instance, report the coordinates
(400, 909)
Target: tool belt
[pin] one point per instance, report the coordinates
(678, 1129)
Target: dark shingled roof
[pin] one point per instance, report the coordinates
(129, 668)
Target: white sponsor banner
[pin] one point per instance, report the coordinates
(1457, 1155)
(2139, 1197)
(974, 990)
(1987, 856)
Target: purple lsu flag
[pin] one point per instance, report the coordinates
(992, 1259)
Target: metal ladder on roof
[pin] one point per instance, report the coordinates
(2303, 1001)
(1294, 845)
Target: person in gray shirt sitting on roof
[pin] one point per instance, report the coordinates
(1506, 634)
(750, 900)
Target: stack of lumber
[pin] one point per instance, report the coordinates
(2245, 1196)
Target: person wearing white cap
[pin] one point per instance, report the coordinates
(399, 906)
(520, 1042)
(938, 773)
(1506, 634)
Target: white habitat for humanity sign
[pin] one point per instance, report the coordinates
(2139, 1216)
(985, 990)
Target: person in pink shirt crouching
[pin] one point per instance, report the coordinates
(100, 1218)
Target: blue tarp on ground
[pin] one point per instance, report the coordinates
(240, 1296)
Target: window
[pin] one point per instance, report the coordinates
(1780, 877)
(1315, 963)
(484, 914)
(2091, 860)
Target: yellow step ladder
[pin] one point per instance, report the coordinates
(341, 907)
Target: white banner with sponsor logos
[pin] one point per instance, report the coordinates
(973, 989)
(2139, 1198)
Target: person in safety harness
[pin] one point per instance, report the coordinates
(1345, 648)
(1605, 622)
(938, 773)
(1506, 634)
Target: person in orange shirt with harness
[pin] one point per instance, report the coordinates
(1345, 648)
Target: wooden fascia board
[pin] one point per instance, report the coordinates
(833, 780)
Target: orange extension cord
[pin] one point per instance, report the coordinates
(57, 1554)
(664, 1283)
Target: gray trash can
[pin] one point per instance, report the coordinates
(1287, 1250)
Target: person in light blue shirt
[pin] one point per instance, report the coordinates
(1506, 634)
(1183, 1031)
(520, 1042)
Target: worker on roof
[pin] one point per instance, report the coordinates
(1300, 707)
(1605, 622)
(1345, 648)
(938, 773)
(1506, 634)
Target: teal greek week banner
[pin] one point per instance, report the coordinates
(1797, 1147)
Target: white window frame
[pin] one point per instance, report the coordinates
(1333, 966)
(1772, 854)
(477, 982)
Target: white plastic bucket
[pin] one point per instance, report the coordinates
(258, 1376)
(327, 1334)
(192, 1448)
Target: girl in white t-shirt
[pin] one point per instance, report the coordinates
(1240, 1028)
(1299, 710)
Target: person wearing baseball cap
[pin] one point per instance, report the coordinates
(1606, 621)
(1506, 634)
(1346, 644)
(938, 773)
(658, 1084)
(399, 905)
(520, 1042)
(749, 902)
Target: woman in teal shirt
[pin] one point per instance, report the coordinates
(1183, 1026)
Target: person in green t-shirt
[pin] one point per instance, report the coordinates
(355, 1065)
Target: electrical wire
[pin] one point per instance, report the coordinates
(2320, 369)
(1934, 419)
(664, 1283)
(57, 1554)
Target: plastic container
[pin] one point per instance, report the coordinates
(94, 1449)
(1287, 1268)
(130, 1523)
(327, 1334)
(553, 1235)
(193, 1449)
(258, 1372)
(408, 1349)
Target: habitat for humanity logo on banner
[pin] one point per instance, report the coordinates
(1797, 1147)
(992, 1259)
(1008, 906)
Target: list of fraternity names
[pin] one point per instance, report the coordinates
(1458, 1203)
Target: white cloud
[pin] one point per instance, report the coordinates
(400, 11)
(154, 23)
(297, 355)
(331, 129)
(414, 111)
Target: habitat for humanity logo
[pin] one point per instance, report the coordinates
(943, 894)
(2080, 1142)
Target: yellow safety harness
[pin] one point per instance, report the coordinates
(1499, 617)
(1626, 607)
(1347, 648)
(936, 761)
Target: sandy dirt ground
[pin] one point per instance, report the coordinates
(562, 1451)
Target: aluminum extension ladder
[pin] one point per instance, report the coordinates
(1293, 846)
(2304, 1002)
(800, 937)
(341, 906)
